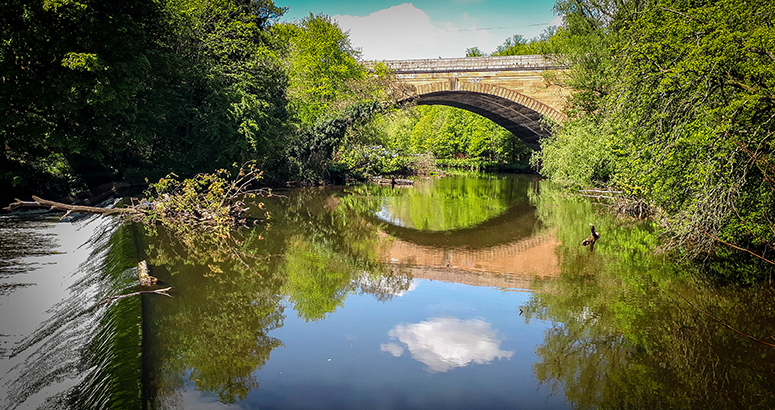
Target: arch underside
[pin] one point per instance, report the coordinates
(522, 121)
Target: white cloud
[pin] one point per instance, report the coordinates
(557, 21)
(445, 343)
(392, 348)
(404, 32)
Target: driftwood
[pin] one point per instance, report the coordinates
(38, 202)
(393, 181)
(621, 204)
(157, 291)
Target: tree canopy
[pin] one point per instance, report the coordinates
(674, 103)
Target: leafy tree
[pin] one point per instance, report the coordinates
(474, 52)
(103, 90)
(676, 98)
(322, 64)
(448, 132)
(694, 96)
(330, 94)
(72, 72)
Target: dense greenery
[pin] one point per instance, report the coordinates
(674, 103)
(457, 137)
(97, 91)
(104, 90)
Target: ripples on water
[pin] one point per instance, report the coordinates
(57, 332)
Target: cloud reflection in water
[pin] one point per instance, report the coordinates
(444, 343)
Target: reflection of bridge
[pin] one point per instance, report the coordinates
(516, 223)
(508, 90)
(508, 265)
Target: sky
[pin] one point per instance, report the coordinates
(388, 30)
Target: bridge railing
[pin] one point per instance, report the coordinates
(468, 64)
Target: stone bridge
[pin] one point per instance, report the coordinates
(509, 90)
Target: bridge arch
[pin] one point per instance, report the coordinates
(509, 90)
(516, 112)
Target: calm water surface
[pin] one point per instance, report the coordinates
(462, 292)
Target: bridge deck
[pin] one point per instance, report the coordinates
(468, 64)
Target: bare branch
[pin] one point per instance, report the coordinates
(724, 324)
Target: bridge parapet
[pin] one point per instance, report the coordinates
(469, 64)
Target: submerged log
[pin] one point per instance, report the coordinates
(393, 181)
(142, 292)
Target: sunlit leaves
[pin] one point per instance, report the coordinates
(678, 104)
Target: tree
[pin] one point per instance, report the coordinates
(474, 52)
(673, 102)
(94, 91)
(71, 73)
(322, 63)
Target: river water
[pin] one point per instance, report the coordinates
(466, 292)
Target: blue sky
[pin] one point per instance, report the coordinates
(385, 29)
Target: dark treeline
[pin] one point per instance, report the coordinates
(97, 91)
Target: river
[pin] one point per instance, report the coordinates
(465, 292)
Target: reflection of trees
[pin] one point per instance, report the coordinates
(214, 333)
(333, 252)
(217, 327)
(229, 290)
(448, 203)
(623, 338)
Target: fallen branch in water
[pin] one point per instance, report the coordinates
(722, 323)
(211, 201)
(156, 291)
(38, 202)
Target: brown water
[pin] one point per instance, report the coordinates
(464, 292)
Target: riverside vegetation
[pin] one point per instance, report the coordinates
(673, 104)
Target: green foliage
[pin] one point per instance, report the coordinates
(478, 164)
(447, 133)
(209, 202)
(699, 97)
(474, 52)
(519, 45)
(322, 63)
(578, 154)
(330, 94)
(127, 90)
(676, 98)
(364, 161)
